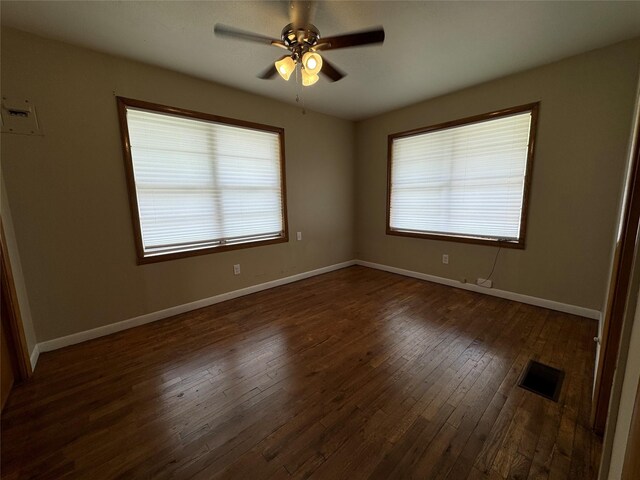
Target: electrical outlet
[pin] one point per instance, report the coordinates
(483, 282)
(236, 269)
(445, 259)
(299, 235)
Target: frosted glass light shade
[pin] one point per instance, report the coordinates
(312, 62)
(308, 79)
(285, 67)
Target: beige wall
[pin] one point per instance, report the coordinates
(69, 201)
(70, 209)
(583, 130)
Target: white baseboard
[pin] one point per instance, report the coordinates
(518, 297)
(168, 312)
(35, 354)
(72, 339)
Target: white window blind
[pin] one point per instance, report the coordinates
(465, 180)
(201, 184)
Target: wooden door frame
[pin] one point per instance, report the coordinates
(13, 324)
(619, 285)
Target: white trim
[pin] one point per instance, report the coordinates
(35, 354)
(518, 297)
(74, 338)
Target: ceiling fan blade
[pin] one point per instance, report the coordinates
(300, 13)
(231, 32)
(351, 40)
(331, 71)
(271, 72)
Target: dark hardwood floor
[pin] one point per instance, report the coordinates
(353, 374)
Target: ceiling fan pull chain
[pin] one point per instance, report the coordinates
(299, 101)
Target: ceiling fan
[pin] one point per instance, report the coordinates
(303, 41)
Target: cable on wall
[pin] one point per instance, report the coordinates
(495, 261)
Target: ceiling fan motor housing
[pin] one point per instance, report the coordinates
(300, 40)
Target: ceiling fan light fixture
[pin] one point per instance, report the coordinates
(303, 41)
(285, 67)
(312, 62)
(308, 79)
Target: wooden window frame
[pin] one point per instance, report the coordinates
(123, 103)
(520, 243)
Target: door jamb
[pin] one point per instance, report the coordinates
(13, 324)
(619, 285)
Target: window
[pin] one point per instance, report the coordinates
(200, 183)
(466, 180)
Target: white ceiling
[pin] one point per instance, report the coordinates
(431, 48)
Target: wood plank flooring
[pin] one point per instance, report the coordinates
(353, 374)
